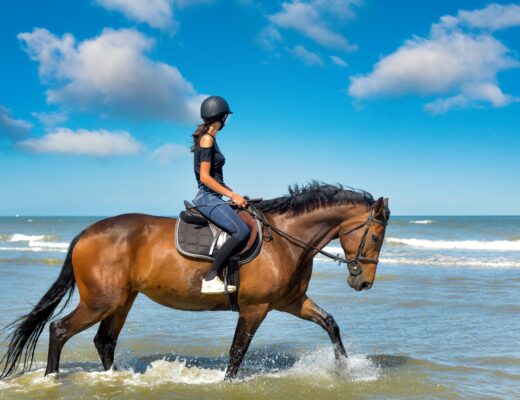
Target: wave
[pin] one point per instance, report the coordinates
(35, 243)
(49, 245)
(452, 261)
(497, 245)
(20, 237)
(36, 249)
(422, 221)
(438, 260)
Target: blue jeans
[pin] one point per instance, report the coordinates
(217, 211)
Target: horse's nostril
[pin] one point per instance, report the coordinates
(366, 285)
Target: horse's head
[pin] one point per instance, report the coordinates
(362, 243)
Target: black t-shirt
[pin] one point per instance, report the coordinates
(214, 156)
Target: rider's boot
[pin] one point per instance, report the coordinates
(215, 286)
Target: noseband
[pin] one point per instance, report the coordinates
(354, 264)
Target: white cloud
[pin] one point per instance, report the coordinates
(493, 17)
(471, 96)
(14, 128)
(269, 37)
(101, 143)
(339, 61)
(308, 57)
(156, 13)
(51, 120)
(314, 19)
(111, 74)
(453, 62)
(169, 152)
(187, 3)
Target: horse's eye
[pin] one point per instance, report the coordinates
(375, 238)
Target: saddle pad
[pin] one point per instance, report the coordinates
(198, 241)
(194, 239)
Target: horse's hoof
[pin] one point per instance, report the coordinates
(229, 378)
(342, 361)
(52, 375)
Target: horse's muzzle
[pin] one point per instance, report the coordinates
(358, 283)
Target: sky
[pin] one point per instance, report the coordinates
(415, 101)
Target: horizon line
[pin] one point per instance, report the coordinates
(175, 216)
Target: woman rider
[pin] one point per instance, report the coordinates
(208, 162)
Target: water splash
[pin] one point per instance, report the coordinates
(320, 365)
(317, 367)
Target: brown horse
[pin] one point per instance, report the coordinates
(116, 258)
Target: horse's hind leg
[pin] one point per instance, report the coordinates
(108, 332)
(63, 329)
(306, 309)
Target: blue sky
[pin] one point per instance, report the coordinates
(415, 101)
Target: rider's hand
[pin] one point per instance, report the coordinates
(238, 200)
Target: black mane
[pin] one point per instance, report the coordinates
(304, 198)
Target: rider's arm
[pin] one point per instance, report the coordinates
(209, 181)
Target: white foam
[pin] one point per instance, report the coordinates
(441, 260)
(422, 221)
(51, 245)
(158, 372)
(32, 380)
(20, 237)
(176, 371)
(453, 261)
(36, 243)
(34, 249)
(497, 245)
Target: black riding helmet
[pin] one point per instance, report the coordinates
(214, 108)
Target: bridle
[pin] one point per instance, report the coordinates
(354, 264)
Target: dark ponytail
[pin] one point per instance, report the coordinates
(201, 130)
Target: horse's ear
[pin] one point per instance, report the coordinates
(379, 207)
(387, 210)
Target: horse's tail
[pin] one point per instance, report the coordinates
(27, 329)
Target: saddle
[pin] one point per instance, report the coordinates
(198, 237)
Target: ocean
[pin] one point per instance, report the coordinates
(442, 321)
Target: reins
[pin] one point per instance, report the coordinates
(354, 265)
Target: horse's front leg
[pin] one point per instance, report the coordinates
(249, 320)
(306, 309)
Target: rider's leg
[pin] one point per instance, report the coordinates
(214, 208)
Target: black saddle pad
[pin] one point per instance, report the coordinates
(203, 241)
(194, 238)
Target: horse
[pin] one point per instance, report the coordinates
(116, 258)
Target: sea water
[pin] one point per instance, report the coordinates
(441, 322)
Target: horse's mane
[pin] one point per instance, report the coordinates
(305, 198)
